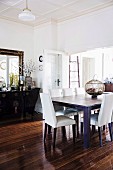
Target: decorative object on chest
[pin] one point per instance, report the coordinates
(29, 67)
(28, 81)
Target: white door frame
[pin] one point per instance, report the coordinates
(46, 53)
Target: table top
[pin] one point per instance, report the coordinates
(80, 100)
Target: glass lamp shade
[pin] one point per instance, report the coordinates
(26, 15)
(94, 88)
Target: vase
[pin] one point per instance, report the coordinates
(28, 81)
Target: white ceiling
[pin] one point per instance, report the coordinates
(47, 10)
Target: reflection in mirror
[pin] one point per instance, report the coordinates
(11, 67)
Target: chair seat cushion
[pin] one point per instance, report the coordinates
(67, 112)
(70, 112)
(73, 111)
(64, 121)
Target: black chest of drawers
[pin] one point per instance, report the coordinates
(15, 104)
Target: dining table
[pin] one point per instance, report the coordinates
(84, 103)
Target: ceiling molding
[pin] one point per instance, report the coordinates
(47, 17)
(95, 9)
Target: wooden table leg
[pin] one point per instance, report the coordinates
(87, 112)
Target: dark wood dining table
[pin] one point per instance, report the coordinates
(84, 103)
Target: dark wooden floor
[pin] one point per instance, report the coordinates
(21, 148)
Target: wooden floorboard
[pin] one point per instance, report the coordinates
(22, 148)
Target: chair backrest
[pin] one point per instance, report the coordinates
(80, 90)
(48, 109)
(105, 113)
(56, 92)
(69, 91)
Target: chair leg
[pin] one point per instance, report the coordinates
(81, 127)
(76, 118)
(100, 135)
(45, 132)
(73, 128)
(55, 130)
(104, 127)
(93, 129)
(63, 131)
(49, 129)
(110, 130)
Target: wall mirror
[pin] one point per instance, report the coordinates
(11, 67)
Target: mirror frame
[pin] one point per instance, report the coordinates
(20, 54)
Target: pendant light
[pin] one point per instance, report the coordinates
(26, 14)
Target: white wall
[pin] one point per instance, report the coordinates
(17, 37)
(87, 32)
(45, 37)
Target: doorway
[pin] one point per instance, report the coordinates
(52, 70)
(88, 70)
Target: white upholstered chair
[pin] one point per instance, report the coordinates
(51, 119)
(60, 109)
(56, 93)
(105, 115)
(69, 91)
(73, 91)
(72, 111)
(80, 91)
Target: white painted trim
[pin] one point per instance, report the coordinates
(46, 51)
